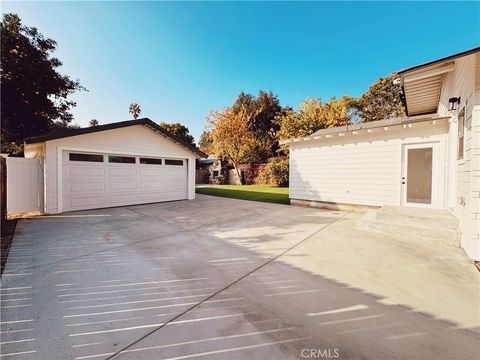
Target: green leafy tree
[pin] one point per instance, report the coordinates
(276, 172)
(180, 131)
(135, 110)
(381, 101)
(205, 142)
(93, 122)
(313, 115)
(61, 127)
(34, 95)
(262, 111)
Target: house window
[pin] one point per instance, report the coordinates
(461, 134)
(85, 157)
(215, 173)
(173, 162)
(121, 159)
(150, 161)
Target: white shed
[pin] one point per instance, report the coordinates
(428, 159)
(123, 163)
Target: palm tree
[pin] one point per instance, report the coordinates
(93, 122)
(135, 110)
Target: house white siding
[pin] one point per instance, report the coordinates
(362, 169)
(464, 174)
(135, 140)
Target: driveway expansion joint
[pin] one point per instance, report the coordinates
(228, 286)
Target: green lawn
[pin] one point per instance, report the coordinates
(262, 193)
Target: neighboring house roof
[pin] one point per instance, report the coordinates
(385, 124)
(93, 129)
(422, 84)
(206, 161)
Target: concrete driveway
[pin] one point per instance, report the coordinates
(218, 278)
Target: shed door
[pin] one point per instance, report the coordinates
(420, 178)
(92, 181)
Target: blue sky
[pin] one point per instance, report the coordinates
(180, 60)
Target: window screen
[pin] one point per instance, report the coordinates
(150, 161)
(173, 162)
(85, 157)
(121, 159)
(461, 137)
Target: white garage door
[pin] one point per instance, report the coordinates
(92, 181)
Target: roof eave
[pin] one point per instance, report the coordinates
(325, 133)
(144, 121)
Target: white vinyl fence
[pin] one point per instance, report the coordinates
(24, 186)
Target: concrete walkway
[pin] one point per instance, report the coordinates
(204, 279)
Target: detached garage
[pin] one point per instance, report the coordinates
(124, 163)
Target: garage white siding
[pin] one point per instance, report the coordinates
(133, 140)
(363, 169)
(101, 183)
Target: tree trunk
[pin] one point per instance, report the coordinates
(239, 173)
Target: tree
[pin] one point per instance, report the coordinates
(180, 131)
(313, 115)
(381, 101)
(231, 136)
(61, 127)
(135, 110)
(262, 111)
(93, 122)
(205, 142)
(34, 94)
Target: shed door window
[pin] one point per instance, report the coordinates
(461, 135)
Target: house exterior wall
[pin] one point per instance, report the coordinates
(362, 169)
(137, 140)
(464, 174)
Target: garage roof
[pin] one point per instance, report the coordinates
(144, 121)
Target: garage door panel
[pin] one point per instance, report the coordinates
(151, 172)
(125, 199)
(75, 187)
(151, 197)
(94, 171)
(149, 185)
(122, 185)
(91, 185)
(87, 202)
(125, 170)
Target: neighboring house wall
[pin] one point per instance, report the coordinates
(464, 174)
(146, 142)
(363, 169)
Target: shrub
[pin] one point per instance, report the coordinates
(276, 172)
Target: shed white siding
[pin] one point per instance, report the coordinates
(137, 140)
(363, 169)
(464, 176)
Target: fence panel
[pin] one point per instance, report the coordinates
(3, 188)
(24, 186)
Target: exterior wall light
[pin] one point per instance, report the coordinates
(454, 101)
